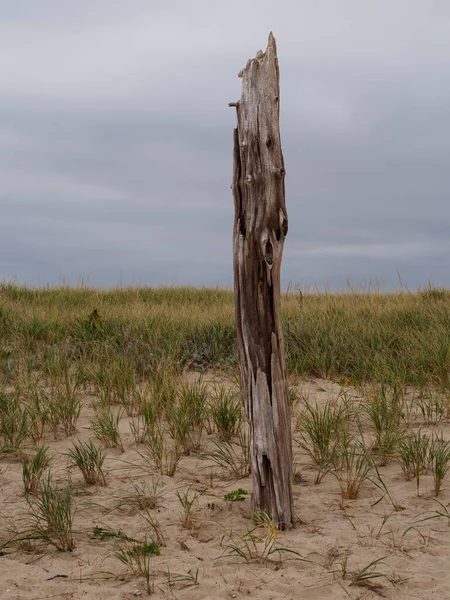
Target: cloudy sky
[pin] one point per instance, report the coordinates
(116, 139)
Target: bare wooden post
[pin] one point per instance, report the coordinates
(260, 227)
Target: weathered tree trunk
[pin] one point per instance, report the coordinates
(260, 227)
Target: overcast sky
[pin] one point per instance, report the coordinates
(116, 139)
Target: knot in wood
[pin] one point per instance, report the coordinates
(269, 253)
(283, 223)
(280, 172)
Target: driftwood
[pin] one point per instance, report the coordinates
(260, 228)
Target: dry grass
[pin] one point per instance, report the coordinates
(118, 365)
(352, 336)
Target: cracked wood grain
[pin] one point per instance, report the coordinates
(260, 228)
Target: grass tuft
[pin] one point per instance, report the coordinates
(89, 460)
(49, 520)
(320, 432)
(413, 455)
(105, 427)
(34, 466)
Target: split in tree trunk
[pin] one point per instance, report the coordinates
(260, 228)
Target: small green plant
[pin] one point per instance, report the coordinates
(352, 467)
(365, 576)
(443, 513)
(62, 401)
(69, 408)
(137, 558)
(154, 527)
(143, 424)
(320, 432)
(257, 544)
(135, 399)
(105, 426)
(155, 448)
(384, 406)
(143, 497)
(34, 466)
(189, 579)
(162, 387)
(50, 517)
(181, 427)
(150, 416)
(236, 495)
(413, 455)
(89, 459)
(13, 425)
(122, 383)
(53, 412)
(193, 402)
(432, 406)
(37, 409)
(106, 533)
(439, 461)
(137, 428)
(232, 459)
(188, 499)
(102, 380)
(161, 451)
(225, 411)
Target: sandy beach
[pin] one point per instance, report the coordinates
(333, 541)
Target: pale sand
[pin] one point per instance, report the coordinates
(330, 533)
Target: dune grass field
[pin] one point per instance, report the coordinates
(124, 450)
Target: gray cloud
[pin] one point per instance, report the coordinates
(115, 138)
